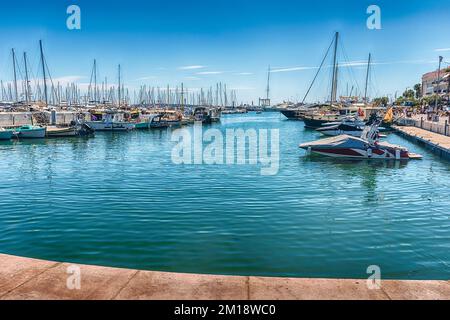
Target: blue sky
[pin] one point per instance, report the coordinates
(202, 42)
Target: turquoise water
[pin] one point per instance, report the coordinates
(118, 200)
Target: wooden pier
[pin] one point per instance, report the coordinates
(437, 143)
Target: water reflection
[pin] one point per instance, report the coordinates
(367, 170)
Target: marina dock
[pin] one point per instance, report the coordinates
(438, 143)
(25, 278)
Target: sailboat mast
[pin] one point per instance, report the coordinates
(119, 88)
(27, 88)
(268, 84)
(43, 72)
(16, 95)
(95, 80)
(334, 80)
(182, 97)
(168, 96)
(367, 77)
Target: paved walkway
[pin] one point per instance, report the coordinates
(434, 140)
(24, 278)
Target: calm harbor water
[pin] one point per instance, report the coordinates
(118, 200)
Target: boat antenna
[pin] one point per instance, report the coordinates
(367, 77)
(43, 72)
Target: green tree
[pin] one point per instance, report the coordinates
(381, 101)
(418, 89)
(409, 94)
(431, 100)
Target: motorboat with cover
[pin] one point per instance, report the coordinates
(367, 146)
(351, 126)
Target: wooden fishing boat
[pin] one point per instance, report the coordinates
(166, 119)
(5, 134)
(109, 120)
(74, 130)
(30, 132)
(202, 115)
(143, 121)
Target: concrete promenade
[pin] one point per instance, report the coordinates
(17, 119)
(25, 278)
(438, 143)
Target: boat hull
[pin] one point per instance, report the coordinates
(345, 146)
(142, 125)
(62, 132)
(37, 133)
(6, 134)
(370, 153)
(293, 114)
(337, 132)
(317, 123)
(110, 126)
(164, 124)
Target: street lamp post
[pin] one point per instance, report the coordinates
(438, 84)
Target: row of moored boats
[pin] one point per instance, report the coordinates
(113, 120)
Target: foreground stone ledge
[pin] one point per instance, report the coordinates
(25, 278)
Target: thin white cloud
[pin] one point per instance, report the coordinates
(241, 88)
(209, 72)
(244, 73)
(289, 69)
(192, 78)
(194, 67)
(442, 50)
(360, 63)
(67, 79)
(145, 78)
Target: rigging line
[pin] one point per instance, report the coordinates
(350, 71)
(90, 83)
(317, 73)
(351, 74)
(53, 88)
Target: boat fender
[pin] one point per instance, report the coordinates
(309, 150)
(369, 153)
(397, 154)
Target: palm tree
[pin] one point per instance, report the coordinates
(418, 89)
